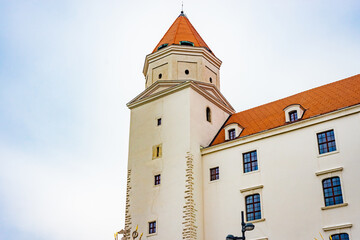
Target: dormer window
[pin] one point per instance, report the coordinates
(162, 46)
(232, 134)
(187, 43)
(293, 112)
(232, 131)
(293, 116)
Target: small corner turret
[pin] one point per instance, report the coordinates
(182, 54)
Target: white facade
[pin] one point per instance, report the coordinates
(170, 193)
(289, 181)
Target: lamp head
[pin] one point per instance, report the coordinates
(249, 227)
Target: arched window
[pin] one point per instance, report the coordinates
(208, 114)
(340, 236)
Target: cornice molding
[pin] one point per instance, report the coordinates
(284, 129)
(180, 50)
(176, 85)
(332, 170)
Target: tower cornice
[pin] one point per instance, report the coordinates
(180, 50)
(162, 88)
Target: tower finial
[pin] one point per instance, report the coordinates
(182, 7)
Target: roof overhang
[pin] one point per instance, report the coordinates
(162, 88)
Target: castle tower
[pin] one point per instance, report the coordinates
(178, 113)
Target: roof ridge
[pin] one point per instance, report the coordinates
(299, 93)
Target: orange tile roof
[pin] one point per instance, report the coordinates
(182, 30)
(316, 101)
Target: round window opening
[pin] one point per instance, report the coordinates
(187, 72)
(160, 76)
(210, 80)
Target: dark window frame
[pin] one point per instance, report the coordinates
(250, 161)
(253, 207)
(152, 227)
(340, 236)
(157, 179)
(232, 133)
(326, 141)
(332, 191)
(214, 174)
(293, 116)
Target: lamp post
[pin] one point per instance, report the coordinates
(244, 227)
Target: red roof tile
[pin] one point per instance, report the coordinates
(316, 101)
(182, 30)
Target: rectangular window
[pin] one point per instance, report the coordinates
(152, 227)
(326, 141)
(293, 116)
(232, 134)
(158, 121)
(214, 173)
(332, 191)
(340, 236)
(157, 151)
(250, 161)
(157, 179)
(253, 209)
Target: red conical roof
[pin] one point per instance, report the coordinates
(182, 30)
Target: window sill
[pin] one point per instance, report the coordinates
(335, 206)
(327, 154)
(214, 181)
(151, 234)
(251, 172)
(256, 221)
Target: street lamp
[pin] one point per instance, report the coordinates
(244, 227)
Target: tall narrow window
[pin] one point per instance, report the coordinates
(293, 116)
(157, 151)
(214, 173)
(232, 134)
(326, 141)
(332, 191)
(208, 114)
(152, 227)
(250, 161)
(159, 121)
(157, 179)
(340, 236)
(253, 209)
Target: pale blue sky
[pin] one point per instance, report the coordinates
(67, 69)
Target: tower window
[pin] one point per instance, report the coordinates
(152, 227)
(187, 72)
(250, 161)
(326, 141)
(341, 236)
(332, 191)
(253, 209)
(157, 151)
(214, 173)
(187, 43)
(293, 116)
(208, 114)
(162, 46)
(160, 76)
(157, 179)
(158, 121)
(210, 79)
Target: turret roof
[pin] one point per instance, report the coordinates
(182, 30)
